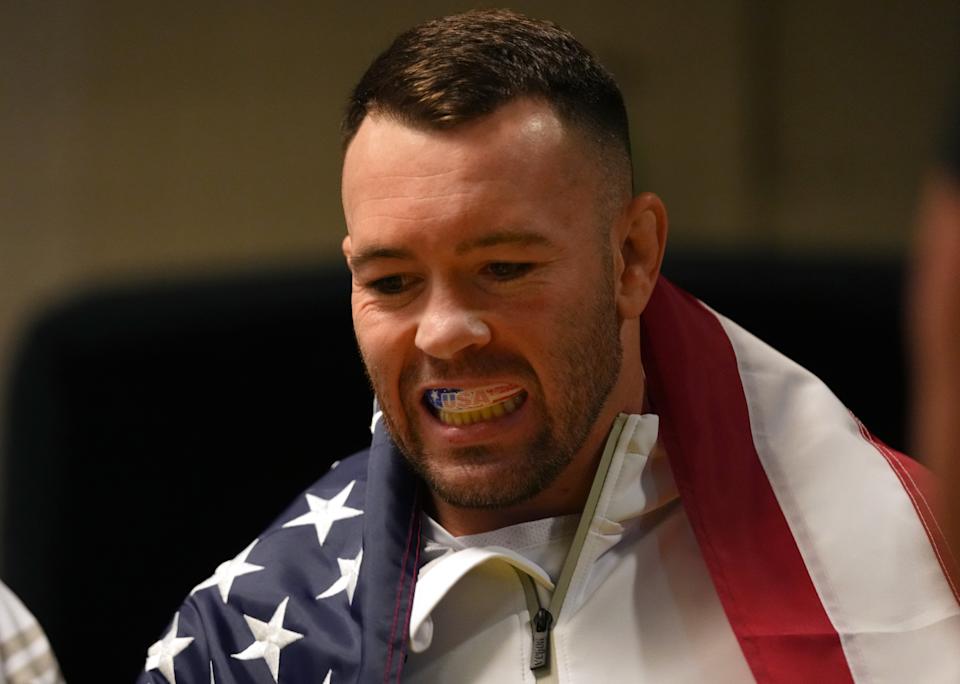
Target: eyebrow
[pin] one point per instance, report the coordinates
(502, 237)
(378, 253)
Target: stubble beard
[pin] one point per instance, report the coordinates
(589, 359)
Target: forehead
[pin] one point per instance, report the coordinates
(518, 158)
(517, 128)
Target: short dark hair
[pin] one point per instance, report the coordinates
(456, 69)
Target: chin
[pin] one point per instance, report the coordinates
(479, 479)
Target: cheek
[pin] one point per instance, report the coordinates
(563, 338)
(531, 333)
(376, 357)
(381, 339)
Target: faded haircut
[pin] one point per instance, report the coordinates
(456, 69)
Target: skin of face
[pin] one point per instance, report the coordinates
(482, 255)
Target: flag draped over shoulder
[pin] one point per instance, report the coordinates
(322, 596)
(818, 538)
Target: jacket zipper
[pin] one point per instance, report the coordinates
(541, 623)
(542, 620)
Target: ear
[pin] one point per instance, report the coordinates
(640, 237)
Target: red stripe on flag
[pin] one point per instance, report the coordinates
(922, 488)
(765, 589)
(401, 586)
(414, 574)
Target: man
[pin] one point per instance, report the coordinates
(579, 473)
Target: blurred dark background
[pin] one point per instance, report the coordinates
(174, 325)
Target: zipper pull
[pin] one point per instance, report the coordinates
(540, 656)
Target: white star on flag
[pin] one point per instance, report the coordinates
(269, 639)
(326, 680)
(324, 512)
(161, 654)
(228, 571)
(349, 571)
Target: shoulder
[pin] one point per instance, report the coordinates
(860, 514)
(346, 478)
(802, 516)
(297, 577)
(825, 467)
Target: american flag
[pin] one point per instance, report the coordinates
(322, 596)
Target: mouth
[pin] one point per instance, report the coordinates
(454, 406)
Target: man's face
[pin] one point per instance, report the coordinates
(480, 264)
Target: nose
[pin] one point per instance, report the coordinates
(448, 327)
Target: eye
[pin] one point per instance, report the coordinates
(508, 270)
(390, 285)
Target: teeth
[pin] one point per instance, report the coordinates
(481, 415)
(471, 399)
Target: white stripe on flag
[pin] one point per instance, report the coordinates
(856, 528)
